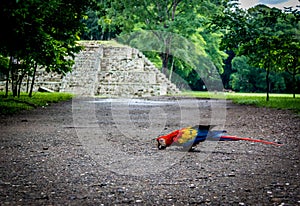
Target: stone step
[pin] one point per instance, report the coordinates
(130, 83)
(108, 64)
(127, 76)
(118, 52)
(131, 89)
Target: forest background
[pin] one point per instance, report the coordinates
(254, 50)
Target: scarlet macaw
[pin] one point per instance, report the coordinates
(191, 136)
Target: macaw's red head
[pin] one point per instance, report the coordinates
(166, 140)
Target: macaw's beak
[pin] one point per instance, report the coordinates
(161, 144)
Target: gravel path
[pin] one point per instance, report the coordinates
(101, 152)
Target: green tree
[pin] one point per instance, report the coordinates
(233, 24)
(262, 48)
(267, 36)
(4, 72)
(92, 30)
(255, 34)
(99, 26)
(247, 78)
(40, 33)
(187, 18)
(289, 47)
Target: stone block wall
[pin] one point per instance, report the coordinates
(125, 71)
(83, 78)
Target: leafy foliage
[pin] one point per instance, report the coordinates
(247, 78)
(258, 42)
(260, 33)
(188, 19)
(40, 33)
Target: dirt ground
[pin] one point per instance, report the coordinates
(101, 152)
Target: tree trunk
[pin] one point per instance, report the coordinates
(12, 78)
(20, 80)
(294, 83)
(166, 55)
(32, 82)
(294, 78)
(14, 64)
(6, 84)
(14, 84)
(268, 83)
(19, 89)
(27, 84)
(165, 60)
(171, 69)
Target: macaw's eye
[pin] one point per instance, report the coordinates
(162, 142)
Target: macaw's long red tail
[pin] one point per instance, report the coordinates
(235, 138)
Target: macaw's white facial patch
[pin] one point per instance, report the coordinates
(162, 142)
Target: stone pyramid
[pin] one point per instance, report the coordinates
(115, 70)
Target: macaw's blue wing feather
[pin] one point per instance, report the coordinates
(209, 135)
(196, 134)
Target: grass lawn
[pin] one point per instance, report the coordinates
(11, 105)
(279, 101)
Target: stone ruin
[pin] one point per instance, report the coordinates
(109, 70)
